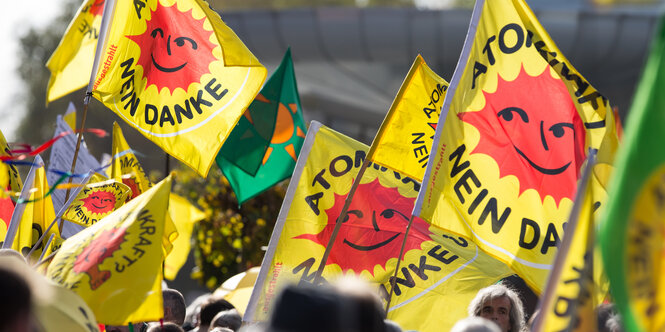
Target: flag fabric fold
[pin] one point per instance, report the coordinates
(176, 73)
(184, 215)
(519, 122)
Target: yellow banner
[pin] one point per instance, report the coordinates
(125, 167)
(520, 120)
(184, 215)
(440, 272)
(115, 265)
(179, 75)
(37, 216)
(71, 62)
(10, 181)
(97, 200)
(405, 136)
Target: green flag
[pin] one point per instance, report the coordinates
(633, 231)
(263, 148)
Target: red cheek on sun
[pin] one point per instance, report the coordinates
(531, 128)
(175, 48)
(374, 229)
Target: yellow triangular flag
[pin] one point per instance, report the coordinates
(405, 136)
(115, 265)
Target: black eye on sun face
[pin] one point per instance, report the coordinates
(558, 130)
(390, 213)
(507, 114)
(157, 31)
(180, 41)
(357, 213)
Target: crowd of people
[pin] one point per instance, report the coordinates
(348, 305)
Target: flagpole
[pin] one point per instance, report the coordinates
(338, 222)
(109, 5)
(399, 260)
(50, 239)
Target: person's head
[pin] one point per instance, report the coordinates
(209, 309)
(475, 324)
(392, 326)
(608, 318)
(221, 329)
(193, 311)
(228, 318)
(174, 306)
(15, 308)
(369, 313)
(501, 305)
(168, 327)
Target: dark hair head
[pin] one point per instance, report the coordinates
(16, 297)
(211, 307)
(228, 318)
(174, 306)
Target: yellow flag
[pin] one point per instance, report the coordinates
(440, 271)
(10, 181)
(70, 115)
(115, 265)
(174, 71)
(97, 200)
(405, 136)
(520, 120)
(37, 216)
(184, 216)
(577, 284)
(71, 62)
(125, 167)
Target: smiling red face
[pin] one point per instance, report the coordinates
(531, 128)
(169, 57)
(373, 230)
(100, 202)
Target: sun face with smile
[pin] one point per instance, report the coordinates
(373, 230)
(531, 128)
(175, 48)
(100, 202)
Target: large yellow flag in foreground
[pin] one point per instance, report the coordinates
(174, 71)
(115, 265)
(440, 272)
(406, 133)
(71, 62)
(520, 120)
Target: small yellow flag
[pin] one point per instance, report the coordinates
(115, 265)
(125, 167)
(97, 200)
(37, 216)
(184, 216)
(10, 181)
(405, 136)
(71, 62)
(176, 73)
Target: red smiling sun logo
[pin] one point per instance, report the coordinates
(373, 230)
(531, 128)
(175, 48)
(94, 254)
(99, 202)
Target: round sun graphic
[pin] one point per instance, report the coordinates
(373, 230)
(97, 7)
(175, 48)
(531, 128)
(100, 202)
(94, 254)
